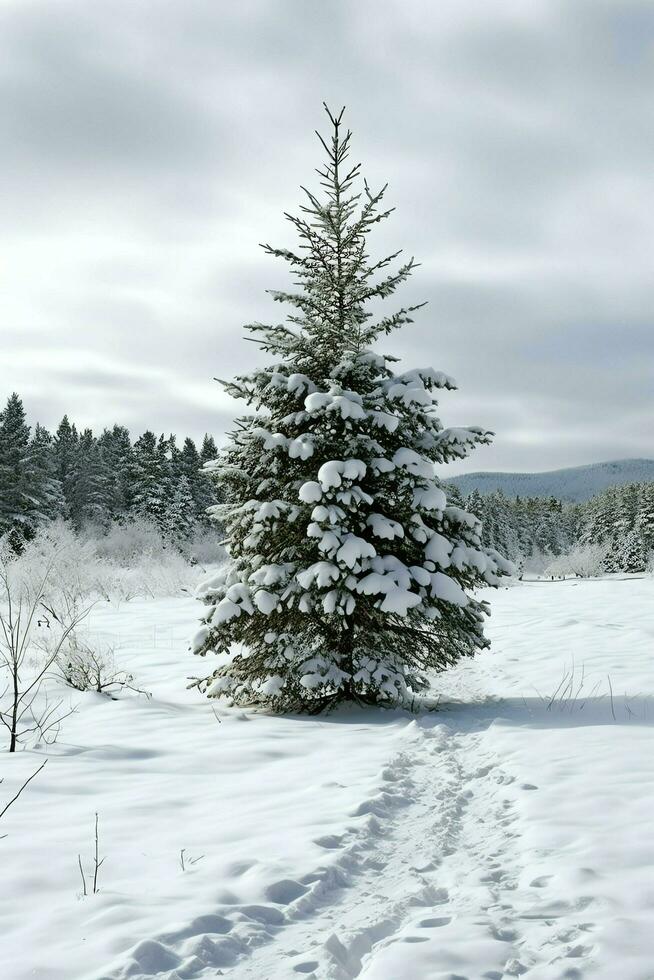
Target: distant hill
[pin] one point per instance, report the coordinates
(573, 484)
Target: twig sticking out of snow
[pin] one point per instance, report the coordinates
(191, 860)
(15, 797)
(97, 863)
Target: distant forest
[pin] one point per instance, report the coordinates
(617, 523)
(95, 481)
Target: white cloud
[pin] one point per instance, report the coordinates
(148, 148)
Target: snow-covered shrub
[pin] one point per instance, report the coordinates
(148, 578)
(534, 564)
(125, 544)
(32, 601)
(131, 560)
(350, 574)
(204, 547)
(584, 561)
(72, 569)
(87, 668)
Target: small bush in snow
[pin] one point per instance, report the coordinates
(87, 669)
(132, 560)
(584, 561)
(24, 595)
(128, 543)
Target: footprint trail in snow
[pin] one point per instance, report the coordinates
(426, 884)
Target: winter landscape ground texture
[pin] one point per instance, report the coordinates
(507, 834)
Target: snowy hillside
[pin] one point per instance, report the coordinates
(507, 835)
(573, 484)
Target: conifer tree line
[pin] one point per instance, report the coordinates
(620, 518)
(94, 480)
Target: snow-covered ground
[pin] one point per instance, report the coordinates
(509, 834)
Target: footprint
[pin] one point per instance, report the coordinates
(424, 868)
(200, 926)
(221, 953)
(267, 915)
(514, 968)
(284, 892)
(540, 882)
(152, 957)
(307, 967)
(430, 896)
(528, 786)
(578, 951)
(329, 842)
(414, 939)
(494, 877)
(444, 920)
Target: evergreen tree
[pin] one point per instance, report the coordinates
(349, 574)
(91, 494)
(116, 450)
(454, 495)
(189, 463)
(44, 486)
(209, 451)
(646, 519)
(66, 442)
(206, 496)
(173, 465)
(474, 503)
(190, 466)
(18, 506)
(179, 522)
(627, 550)
(149, 478)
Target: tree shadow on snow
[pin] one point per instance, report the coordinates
(541, 712)
(473, 715)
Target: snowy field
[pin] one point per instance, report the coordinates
(509, 834)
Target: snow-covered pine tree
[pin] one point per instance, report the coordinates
(149, 478)
(18, 506)
(90, 494)
(206, 491)
(116, 449)
(65, 449)
(474, 504)
(627, 553)
(179, 521)
(646, 521)
(189, 466)
(45, 488)
(350, 576)
(209, 451)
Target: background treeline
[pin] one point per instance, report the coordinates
(95, 481)
(611, 532)
(98, 482)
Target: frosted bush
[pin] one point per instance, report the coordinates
(85, 667)
(72, 569)
(584, 561)
(125, 544)
(204, 548)
(132, 560)
(150, 577)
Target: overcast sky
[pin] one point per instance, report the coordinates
(148, 147)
